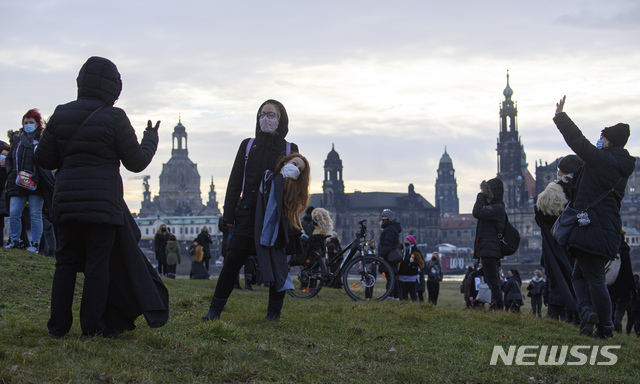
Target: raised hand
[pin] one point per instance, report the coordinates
(150, 127)
(560, 104)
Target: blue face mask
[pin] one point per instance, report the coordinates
(29, 128)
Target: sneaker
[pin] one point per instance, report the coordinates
(14, 245)
(34, 247)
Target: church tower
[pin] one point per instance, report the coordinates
(179, 180)
(446, 186)
(510, 153)
(333, 186)
(212, 204)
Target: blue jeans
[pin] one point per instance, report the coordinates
(589, 284)
(16, 206)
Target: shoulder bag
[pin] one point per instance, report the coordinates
(571, 216)
(611, 270)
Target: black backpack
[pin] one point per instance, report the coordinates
(509, 238)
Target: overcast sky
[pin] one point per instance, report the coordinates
(391, 83)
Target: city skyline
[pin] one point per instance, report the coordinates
(391, 84)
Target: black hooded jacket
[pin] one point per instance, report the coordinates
(264, 154)
(601, 171)
(88, 185)
(389, 237)
(491, 220)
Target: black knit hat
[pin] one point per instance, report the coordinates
(570, 164)
(617, 135)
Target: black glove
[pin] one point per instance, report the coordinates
(152, 128)
(544, 301)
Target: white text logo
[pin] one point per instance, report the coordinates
(555, 355)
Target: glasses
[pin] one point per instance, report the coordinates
(270, 115)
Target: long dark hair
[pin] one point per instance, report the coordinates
(296, 192)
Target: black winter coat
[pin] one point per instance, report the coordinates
(601, 170)
(491, 221)
(204, 239)
(389, 238)
(88, 185)
(555, 259)
(21, 158)
(264, 154)
(409, 267)
(160, 247)
(511, 289)
(536, 287)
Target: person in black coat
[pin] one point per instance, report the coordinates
(535, 288)
(433, 270)
(269, 145)
(160, 247)
(204, 239)
(307, 222)
(512, 293)
(607, 166)
(555, 259)
(489, 209)
(623, 290)
(389, 240)
(88, 204)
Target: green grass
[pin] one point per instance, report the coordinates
(330, 339)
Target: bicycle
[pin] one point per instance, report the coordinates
(363, 277)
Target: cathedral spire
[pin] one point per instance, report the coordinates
(508, 92)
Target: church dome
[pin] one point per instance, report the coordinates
(179, 128)
(333, 155)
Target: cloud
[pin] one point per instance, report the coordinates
(390, 83)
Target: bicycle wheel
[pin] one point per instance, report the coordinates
(368, 280)
(309, 279)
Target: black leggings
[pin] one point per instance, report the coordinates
(239, 250)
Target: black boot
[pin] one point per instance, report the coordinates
(604, 331)
(588, 319)
(237, 284)
(215, 309)
(247, 282)
(273, 310)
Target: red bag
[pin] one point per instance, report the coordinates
(25, 180)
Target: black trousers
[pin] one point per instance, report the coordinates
(433, 288)
(78, 245)
(238, 251)
(490, 266)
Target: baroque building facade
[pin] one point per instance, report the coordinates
(178, 203)
(416, 215)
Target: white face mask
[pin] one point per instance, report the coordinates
(29, 128)
(268, 125)
(290, 171)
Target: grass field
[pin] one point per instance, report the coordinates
(330, 339)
